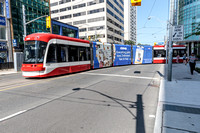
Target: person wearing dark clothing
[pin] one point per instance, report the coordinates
(192, 62)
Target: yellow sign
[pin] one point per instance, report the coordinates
(136, 2)
(48, 22)
(155, 43)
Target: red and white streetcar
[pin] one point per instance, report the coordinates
(159, 53)
(49, 55)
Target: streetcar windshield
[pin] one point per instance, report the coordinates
(34, 51)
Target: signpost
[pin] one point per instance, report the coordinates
(14, 43)
(177, 34)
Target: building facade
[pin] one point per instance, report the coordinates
(130, 21)
(33, 9)
(63, 29)
(189, 16)
(96, 19)
(4, 48)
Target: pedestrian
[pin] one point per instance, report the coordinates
(192, 62)
(185, 59)
(177, 58)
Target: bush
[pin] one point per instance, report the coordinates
(197, 69)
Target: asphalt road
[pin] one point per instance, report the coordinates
(110, 100)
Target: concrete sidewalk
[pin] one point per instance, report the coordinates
(7, 71)
(178, 108)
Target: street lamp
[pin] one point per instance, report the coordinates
(24, 20)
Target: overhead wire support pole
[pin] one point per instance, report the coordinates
(171, 22)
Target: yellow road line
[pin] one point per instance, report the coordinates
(34, 83)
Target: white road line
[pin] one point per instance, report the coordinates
(13, 115)
(152, 116)
(115, 75)
(126, 70)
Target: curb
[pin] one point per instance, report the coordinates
(159, 111)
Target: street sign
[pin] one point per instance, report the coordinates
(7, 9)
(2, 21)
(177, 34)
(14, 43)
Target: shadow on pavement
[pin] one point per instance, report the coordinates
(140, 126)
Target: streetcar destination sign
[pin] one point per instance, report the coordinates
(177, 34)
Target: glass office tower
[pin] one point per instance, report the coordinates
(33, 9)
(189, 17)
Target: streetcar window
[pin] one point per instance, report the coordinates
(88, 53)
(179, 52)
(159, 53)
(62, 54)
(34, 51)
(51, 56)
(73, 53)
(82, 54)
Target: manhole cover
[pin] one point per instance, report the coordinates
(137, 72)
(187, 78)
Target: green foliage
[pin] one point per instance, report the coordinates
(197, 69)
(129, 42)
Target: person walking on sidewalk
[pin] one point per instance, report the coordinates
(185, 59)
(192, 62)
(177, 58)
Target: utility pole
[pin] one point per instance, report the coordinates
(171, 22)
(24, 21)
(50, 15)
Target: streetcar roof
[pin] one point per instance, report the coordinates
(45, 37)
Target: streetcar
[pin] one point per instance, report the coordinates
(159, 53)
(49, 55)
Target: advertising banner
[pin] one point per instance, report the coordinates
(148, 55)
(102, 55)
(7, 9)
(121, 54)
(142, 54)
(139, 55)
(3, 46)
(2, 21)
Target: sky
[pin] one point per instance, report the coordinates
(153, 30)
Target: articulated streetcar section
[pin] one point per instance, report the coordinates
(49, 55)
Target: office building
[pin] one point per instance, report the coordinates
(4, 47)
(130, 21)
(189, 16)
(100, 19)
(33, 10)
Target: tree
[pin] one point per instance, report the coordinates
(129, 42)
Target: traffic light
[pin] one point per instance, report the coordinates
(48, 22)
(136, 2)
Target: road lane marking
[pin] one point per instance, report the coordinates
(13, 115)
(115, 75)
(152, 116)
(126, 70)
(34, 82)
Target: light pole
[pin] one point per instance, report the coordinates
(24, 20)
